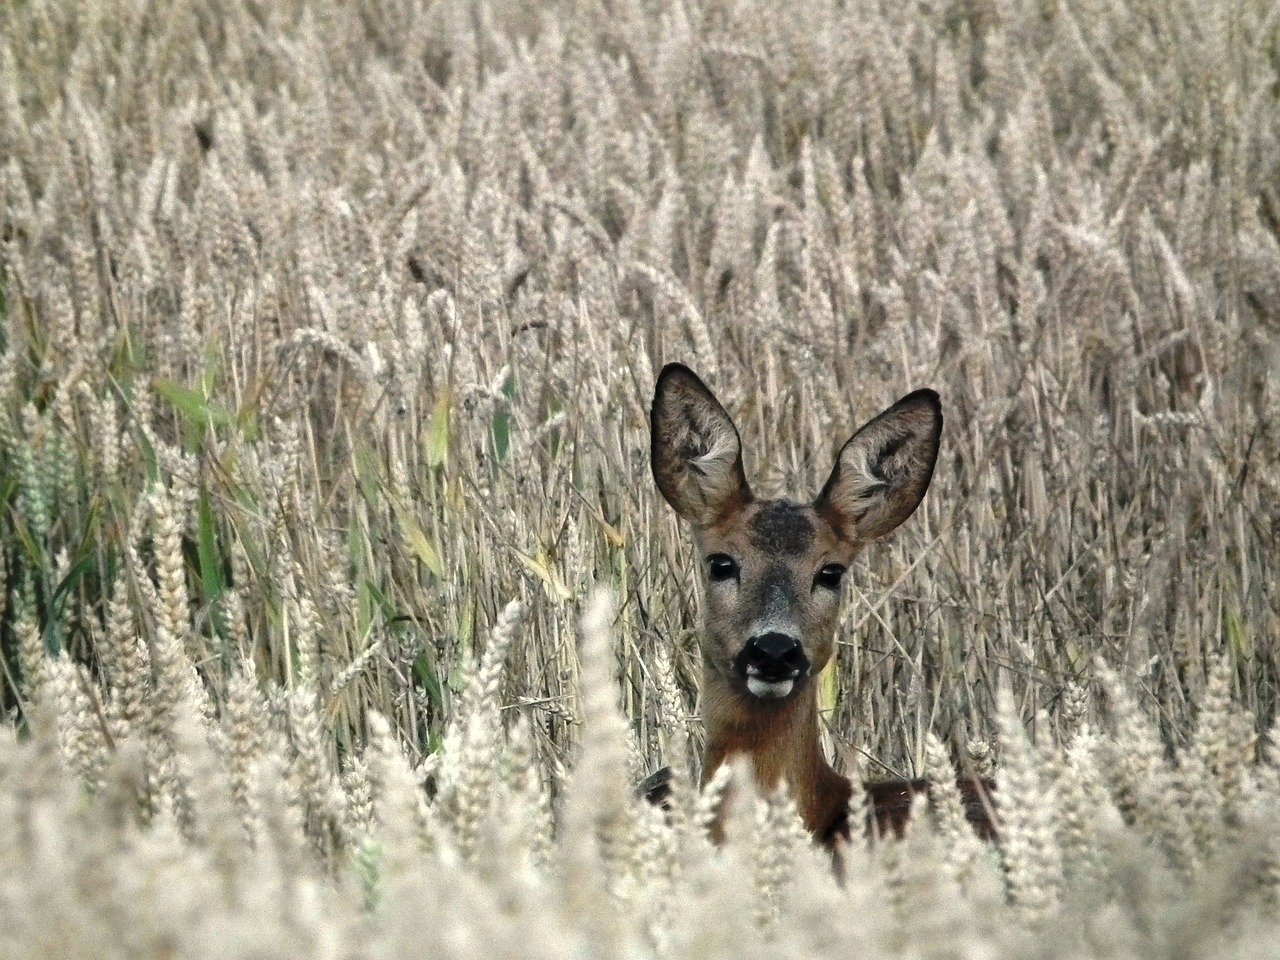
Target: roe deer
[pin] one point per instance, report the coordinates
(772, 572)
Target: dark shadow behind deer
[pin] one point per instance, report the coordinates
(772, 574)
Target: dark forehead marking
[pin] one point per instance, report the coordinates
(781, 527)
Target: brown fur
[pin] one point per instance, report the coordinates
(783, 747)
(889, 806)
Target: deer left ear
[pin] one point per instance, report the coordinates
(882, 473)
(696, 452)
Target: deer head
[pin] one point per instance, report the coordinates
(772, 571)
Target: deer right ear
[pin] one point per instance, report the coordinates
(696, 453)
(884, 470)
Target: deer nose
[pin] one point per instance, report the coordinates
(773, 656)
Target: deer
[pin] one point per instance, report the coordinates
(772, 573)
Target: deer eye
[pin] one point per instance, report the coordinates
(722, 568)
(829, 576)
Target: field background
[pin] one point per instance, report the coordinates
(330, 329)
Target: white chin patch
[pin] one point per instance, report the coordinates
(769, 690)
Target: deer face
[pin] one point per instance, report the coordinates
(772, 570)
(772, 578)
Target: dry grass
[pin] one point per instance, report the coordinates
(330, 329)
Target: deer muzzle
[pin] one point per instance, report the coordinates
(771, 664)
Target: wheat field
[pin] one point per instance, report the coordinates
(340, 613)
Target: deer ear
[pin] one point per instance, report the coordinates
(884, 470)
(696, 453)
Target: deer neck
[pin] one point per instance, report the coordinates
(781, 742)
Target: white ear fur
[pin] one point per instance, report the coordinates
(882, 473)
(696, 453)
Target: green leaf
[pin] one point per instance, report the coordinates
(380, 600)
(467, 631)
(195, 408)
(369, 477)
(190, 404)
(829, 688)
(424, 668)
(544, 568)
(53, 632)
(438, 432)
(73, 577)
(500, 424)
(422, 547)
(1237, 636)
(209, 554)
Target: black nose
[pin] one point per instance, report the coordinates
(773, 656)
